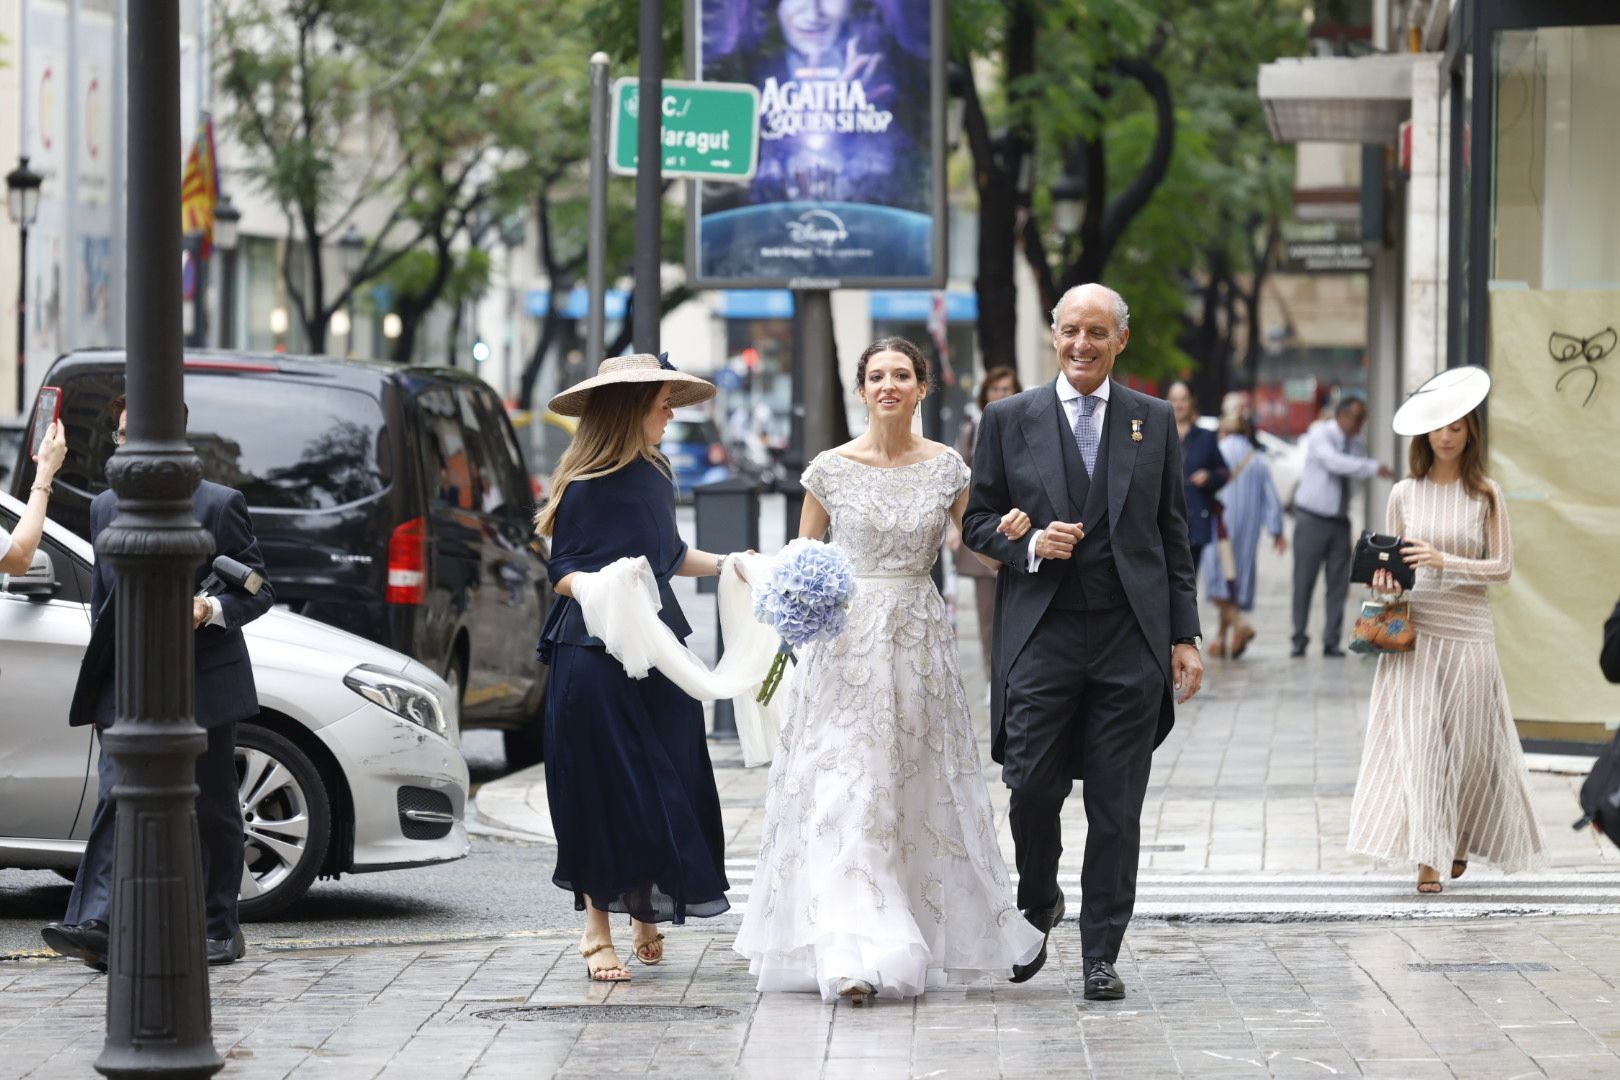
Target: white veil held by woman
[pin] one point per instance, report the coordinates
(620, 604)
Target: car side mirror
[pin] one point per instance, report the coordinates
(39, 583)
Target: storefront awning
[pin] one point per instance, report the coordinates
(1360, 99)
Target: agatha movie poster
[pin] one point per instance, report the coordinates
(848, 190)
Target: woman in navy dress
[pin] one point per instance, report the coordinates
(1202, 467)
(628, 778)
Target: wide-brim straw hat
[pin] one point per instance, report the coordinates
(640, 368)
(1442, 401)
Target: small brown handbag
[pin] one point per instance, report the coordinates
(1384, 627)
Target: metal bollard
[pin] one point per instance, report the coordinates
(727, 520)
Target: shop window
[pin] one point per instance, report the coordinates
(1556, 200)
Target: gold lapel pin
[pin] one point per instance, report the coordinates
(1136, 431)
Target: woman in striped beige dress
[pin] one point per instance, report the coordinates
(1442, 774)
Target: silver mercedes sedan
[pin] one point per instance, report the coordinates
(352, 765)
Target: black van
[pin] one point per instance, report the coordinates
(390, 502)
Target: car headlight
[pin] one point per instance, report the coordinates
(401, 696)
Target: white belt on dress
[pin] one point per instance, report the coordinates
(900, 575)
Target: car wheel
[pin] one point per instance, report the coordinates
(286, 821)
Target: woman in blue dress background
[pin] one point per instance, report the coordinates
(1251, 506)
(628, 778)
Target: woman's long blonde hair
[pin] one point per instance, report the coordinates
(611, 434)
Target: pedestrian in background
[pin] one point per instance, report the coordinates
(1250, 505)
(17, 548)
(1202, 467)
(628, 777)
(1335, 454)
(224, 695)
(998, 382)
(1442, 774)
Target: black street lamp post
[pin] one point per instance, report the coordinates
(227, 219)
(22, 200)
(158, 1021)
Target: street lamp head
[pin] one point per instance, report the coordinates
(1068, 204)
(227, 221)
(22, 193)
(353, 246)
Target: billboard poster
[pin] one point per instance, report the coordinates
(850, 189)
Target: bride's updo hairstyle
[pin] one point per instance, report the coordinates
(919, 363)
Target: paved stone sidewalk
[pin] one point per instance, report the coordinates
(1478, 999)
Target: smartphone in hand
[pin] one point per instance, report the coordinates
(47, 410)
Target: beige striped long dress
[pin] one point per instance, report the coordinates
(1442, 758)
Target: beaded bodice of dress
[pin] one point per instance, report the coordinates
(890, 520)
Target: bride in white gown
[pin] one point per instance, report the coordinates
(879, 872)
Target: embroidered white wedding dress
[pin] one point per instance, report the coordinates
(879, 858)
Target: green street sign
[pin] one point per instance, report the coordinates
(710, 129)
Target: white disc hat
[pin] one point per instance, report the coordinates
(1444, 399)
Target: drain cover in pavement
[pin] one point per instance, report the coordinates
(1475, 969)
(610, 1014)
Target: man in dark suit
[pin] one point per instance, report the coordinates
(1096, 616)
(225, 694)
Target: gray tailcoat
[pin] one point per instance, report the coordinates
(1019, 462)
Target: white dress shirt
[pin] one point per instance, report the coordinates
(1332, 459)
(1069, 398)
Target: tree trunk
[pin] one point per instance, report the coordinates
(997, 164)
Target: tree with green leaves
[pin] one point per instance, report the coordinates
(1148, 112)
(434, 113)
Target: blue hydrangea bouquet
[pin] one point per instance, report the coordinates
(805, 598)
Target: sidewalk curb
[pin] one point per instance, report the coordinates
(515, 805)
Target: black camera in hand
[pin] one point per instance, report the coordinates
(230, 574)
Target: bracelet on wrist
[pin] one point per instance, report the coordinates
(720, 564)
(46, 488)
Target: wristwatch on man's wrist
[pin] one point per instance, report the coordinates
(1195, 641)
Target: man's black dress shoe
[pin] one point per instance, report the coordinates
(1332, 652)
(86, 941)
(1042, 920)
(1102, 983)
(226, 950)
(1297, 651)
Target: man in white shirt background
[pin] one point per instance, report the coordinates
(1335, 455)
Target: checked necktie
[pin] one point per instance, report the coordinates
(1085, 432)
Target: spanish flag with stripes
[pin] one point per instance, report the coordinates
(199, 188)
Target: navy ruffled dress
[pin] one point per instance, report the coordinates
(628, 777)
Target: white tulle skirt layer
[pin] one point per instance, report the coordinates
(879, 859)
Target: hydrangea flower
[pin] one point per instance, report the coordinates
(806, 598)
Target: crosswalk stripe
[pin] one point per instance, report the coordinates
(1295, 897)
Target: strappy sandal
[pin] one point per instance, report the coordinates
(603, 974)
(650, 951)
(1459, 867)
(1429, 888)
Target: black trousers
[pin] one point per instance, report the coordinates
(1086, 689)
(219, 827)
(1320, 543)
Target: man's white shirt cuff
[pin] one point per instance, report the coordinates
(1033, 561)
(216, 612)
